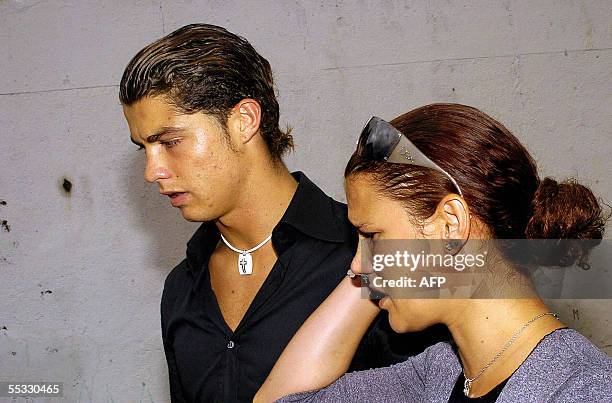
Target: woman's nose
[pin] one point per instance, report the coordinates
(361, 265)
(356, 264)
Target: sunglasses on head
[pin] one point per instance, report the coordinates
(380, 141)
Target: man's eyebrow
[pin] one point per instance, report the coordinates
(161, 132)
(135, 142)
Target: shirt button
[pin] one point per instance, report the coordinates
(230, 344)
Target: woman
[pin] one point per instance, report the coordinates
(454, 174)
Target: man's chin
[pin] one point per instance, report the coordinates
(187, 214)
(194, 216)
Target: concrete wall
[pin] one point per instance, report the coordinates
(81, 271)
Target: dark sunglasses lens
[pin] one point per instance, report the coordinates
(380, 139)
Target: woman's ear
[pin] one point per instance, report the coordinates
(454, 215)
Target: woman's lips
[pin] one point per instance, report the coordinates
(382, 301)
(376, 293)
(373, 291)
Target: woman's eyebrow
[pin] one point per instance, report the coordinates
(362, 229)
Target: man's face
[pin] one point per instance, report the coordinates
(187, 155)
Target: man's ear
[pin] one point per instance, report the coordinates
(455, 216)
(247, 117)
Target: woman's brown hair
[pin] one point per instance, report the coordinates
(498, 177)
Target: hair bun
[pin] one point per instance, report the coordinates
(566, 210)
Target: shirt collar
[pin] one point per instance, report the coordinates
(310, 212)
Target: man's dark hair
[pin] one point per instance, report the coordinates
(205, 68)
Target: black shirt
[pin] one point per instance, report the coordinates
(314, 243)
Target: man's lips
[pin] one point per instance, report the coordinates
(178, 198)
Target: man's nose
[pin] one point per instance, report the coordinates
(155, 171)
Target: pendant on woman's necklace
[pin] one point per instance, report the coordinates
(245, 264)
(466, 387)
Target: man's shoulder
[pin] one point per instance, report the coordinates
(316, 214)
(176, 279)
(339, 211)
(342, 223)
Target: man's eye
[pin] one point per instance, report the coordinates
(171, 143)
(368, 235)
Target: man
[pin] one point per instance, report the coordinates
(272, 245)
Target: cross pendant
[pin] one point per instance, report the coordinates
(245, 264)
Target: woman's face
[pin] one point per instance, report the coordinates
(378, 217)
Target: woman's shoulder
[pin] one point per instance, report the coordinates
(571, 346)
(564, 366)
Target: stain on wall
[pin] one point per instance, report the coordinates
(66, 185)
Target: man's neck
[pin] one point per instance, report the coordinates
(263, 200)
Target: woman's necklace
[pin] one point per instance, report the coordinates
(468, 381)
(245, 260)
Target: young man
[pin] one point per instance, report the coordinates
(272, 245)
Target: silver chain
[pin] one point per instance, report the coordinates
(468, 382)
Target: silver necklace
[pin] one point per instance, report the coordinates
(245, 260)
(468, 382)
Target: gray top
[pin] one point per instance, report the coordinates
(564, 367)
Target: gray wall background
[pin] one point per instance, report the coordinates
(81, 273)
